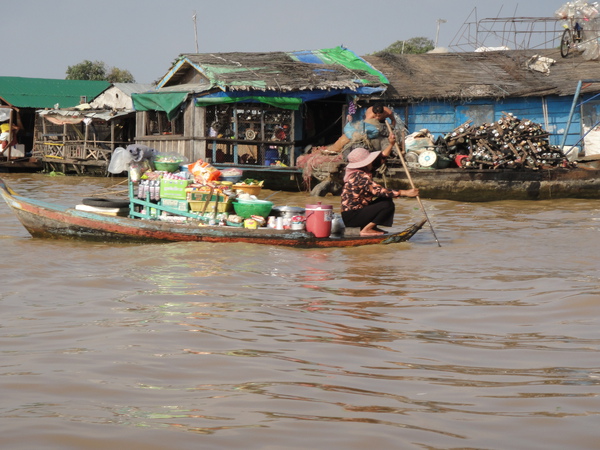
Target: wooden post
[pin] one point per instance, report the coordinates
(112, 135)
(10, 133)
(85, 139)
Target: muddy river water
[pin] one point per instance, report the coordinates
(491, 341)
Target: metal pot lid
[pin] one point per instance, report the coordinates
(289, 209)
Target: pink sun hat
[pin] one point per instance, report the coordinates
(361, 157)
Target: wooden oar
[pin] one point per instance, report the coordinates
(411, 183)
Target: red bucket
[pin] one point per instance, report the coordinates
(459, 159)
(318, 219)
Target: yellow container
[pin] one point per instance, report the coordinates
(252, 189)
(251, 224)
(224, 184)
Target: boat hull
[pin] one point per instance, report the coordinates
(492, 185)
(20, 165)
(45, 220)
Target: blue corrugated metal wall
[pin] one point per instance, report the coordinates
(441, 118)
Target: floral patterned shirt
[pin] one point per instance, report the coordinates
(360, 190)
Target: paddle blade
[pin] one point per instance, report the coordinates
(405, 235)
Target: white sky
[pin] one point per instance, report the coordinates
(146, 36)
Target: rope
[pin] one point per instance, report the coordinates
(102, 192)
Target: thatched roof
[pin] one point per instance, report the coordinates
(497, 74)
(324, 69)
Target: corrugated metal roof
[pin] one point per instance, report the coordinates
(45, 92)
(92, 114)
(133, 88)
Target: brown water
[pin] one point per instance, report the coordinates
(490, 342)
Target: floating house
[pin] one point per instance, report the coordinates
(441, 91)
(253, 110)
(81, 138)
(26, 95)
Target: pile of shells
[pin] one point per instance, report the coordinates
(508, 143)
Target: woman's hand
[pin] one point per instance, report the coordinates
(410, 193)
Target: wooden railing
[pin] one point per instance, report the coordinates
(72, 151)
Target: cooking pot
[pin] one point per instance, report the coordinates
(287, 212)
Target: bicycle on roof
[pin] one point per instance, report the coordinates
(571, 37)
(581, 23)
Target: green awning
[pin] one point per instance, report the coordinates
(159, 101)
(278, 102)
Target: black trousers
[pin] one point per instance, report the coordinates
(380, 212)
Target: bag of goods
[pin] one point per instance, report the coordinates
(419, 142)
(203, 172)
(260, 220)
(141, 152)
(138, 169)
(119, 161)
(234, 220)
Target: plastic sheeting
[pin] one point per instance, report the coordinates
(65, 116)
(5, 114)
(540, 64)
(160, 101)
(587, 15)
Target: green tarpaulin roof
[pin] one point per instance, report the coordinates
(159, 101)
(43, 93)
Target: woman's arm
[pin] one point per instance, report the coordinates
(408, 193)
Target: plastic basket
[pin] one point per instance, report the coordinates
(232, 174)
(198, 206)
(235, 224)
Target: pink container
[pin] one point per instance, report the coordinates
(318, 219)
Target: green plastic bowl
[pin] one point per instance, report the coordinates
(167, 166)
(247, 208)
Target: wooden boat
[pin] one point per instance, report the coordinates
(482, 185)
(25, 164)
(46, 220)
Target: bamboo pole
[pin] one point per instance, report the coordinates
(412, 184)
